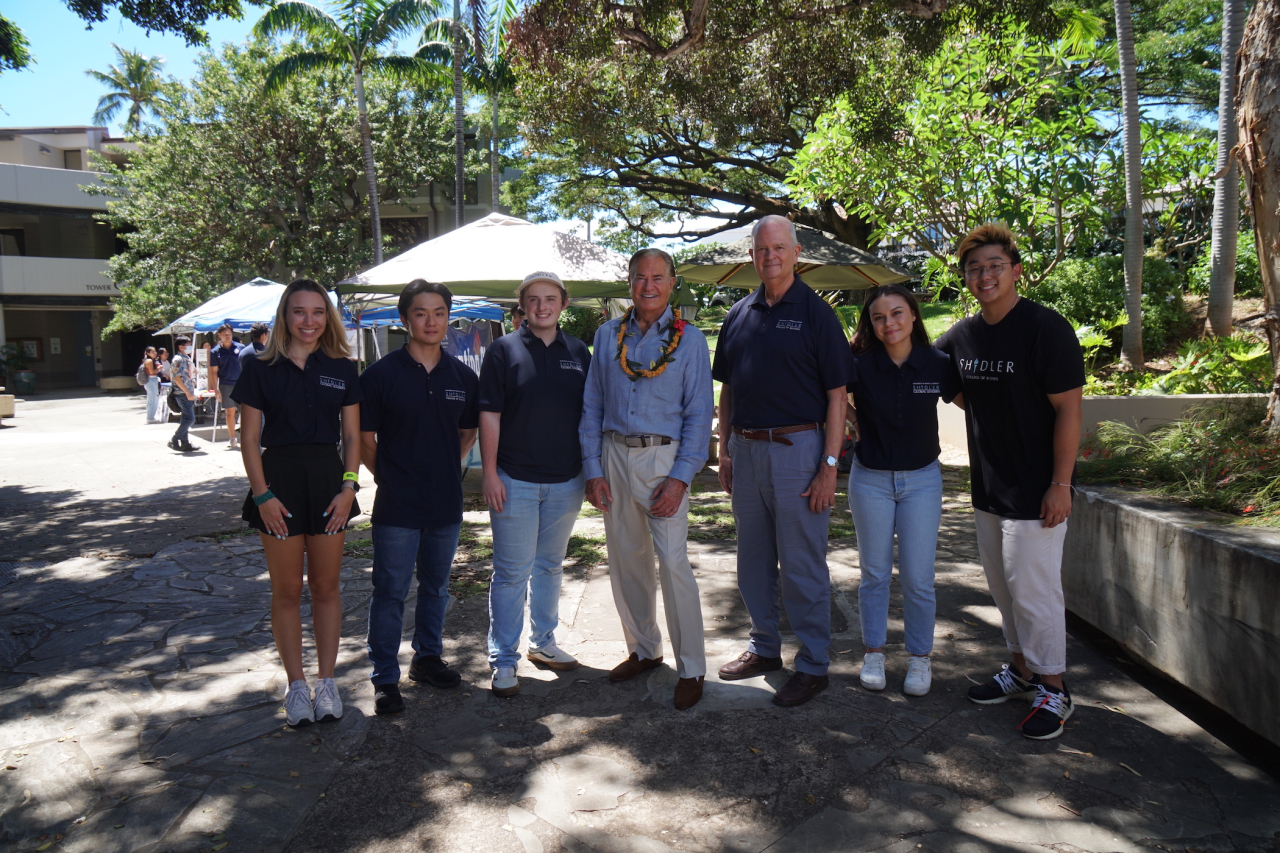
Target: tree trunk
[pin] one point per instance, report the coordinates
(1258, 117)
(459, 126)
(1131, 344)
(496, 179)
(370, 172)
(1226, 195)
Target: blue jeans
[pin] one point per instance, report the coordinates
(396, 551)
(910, 503)
(188, 409)
(530, 536)
(153, 398)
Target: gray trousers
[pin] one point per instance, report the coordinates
(782, 546)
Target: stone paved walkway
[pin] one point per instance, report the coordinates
(141, 712)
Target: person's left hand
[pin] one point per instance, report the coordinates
(667, 497)
(822, 491)
(339, 509)
(1056, 506)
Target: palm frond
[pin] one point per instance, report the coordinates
(399, 16)
(412, 68)
(108, 106)
(300, 63)
(295, 16)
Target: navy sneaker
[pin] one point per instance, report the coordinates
(1003, 686)
(1050, 711)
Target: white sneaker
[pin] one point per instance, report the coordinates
(919, 677)
(872, 675)
(297, 704)
(328, 704)
(505, 682)
(233, 444)
(552, 657)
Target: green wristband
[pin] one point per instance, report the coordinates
(259, 500)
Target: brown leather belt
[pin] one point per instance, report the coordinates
(775, 434)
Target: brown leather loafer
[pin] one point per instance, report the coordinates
(632, 666)
(688, 692)
(747, 665)
(800, 689)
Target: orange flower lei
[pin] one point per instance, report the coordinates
(634, 369)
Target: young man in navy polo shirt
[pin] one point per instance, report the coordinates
(531, 387)
(1022, 374)
(418, 420)
(224, 370)
(258, 333)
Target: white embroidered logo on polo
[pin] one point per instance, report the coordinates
(925, 388)
(790, 325)
(455, 395)
(570, 365)
(330, 382)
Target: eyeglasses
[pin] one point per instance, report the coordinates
(975, 272)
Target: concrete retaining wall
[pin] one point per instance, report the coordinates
(1184, 591)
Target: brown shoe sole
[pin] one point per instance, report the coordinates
(772, 666)
(558, 667)
(630, 672)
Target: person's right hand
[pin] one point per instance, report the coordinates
(726, 472)
(495, 493)
(598, 493)
(273, 515)
(190, 396)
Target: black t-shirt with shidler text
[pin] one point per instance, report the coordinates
(1007, 371)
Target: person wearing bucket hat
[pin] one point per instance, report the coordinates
(531, 387)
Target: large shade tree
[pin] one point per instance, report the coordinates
(135, 82)
(352, 37)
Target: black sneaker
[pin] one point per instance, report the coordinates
(173, 444)
(387, 699)
(1004, 685)
(188, 447)
(1049, 713)
(433, 671)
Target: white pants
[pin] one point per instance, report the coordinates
(1023, 562)
(634, 537)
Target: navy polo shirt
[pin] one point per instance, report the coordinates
(249, 352)
(299, 406)
(780, 361)
(898, 406)
(538, 389)
(227, 360)
(417, 415)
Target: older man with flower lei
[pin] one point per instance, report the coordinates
(646, 424)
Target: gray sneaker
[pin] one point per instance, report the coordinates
(298, 710)
(328, 704)
(505, 682)
(552, 657)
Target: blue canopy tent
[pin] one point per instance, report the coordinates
(466, 308)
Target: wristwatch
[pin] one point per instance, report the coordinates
(351, 484)
(831, 461)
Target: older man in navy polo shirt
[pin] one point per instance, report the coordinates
(646, 425)
(418, 419)
(784, 363)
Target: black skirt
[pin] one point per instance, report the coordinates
(305, 477)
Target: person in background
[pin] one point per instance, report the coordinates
(151, 366)
(182, 372)
(419, 420)
(224, 370)
(299, 398)
(517, 318)
(1022, 373)
(162, 356)
(895, 481)
(257, 343)
(531, 386)
(646, 427)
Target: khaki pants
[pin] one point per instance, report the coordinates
(634, 537)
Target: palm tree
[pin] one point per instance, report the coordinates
(1226, 195)
(349, 38)
(1131, 344)
(135, 81)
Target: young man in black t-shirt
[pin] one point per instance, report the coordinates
(1022, 373)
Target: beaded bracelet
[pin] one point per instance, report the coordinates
(259, 500)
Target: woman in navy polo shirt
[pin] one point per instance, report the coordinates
(298, 398)
(895, 481)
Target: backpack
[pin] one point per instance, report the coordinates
(141, 375)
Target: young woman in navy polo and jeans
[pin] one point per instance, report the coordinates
(298, 398)
(895, 481)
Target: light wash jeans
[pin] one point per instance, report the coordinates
(910, 503)
(530, 536)
(153, 398)
(396, 553)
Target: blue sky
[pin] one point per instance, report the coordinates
(55, 90)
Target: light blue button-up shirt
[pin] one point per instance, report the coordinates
(677, 404)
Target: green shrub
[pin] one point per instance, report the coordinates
(1240, 364)
(1090, 292)
(581, 321)
(1248, 276)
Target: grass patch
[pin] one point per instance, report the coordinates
(471, 545)
(585, 550)
(1218, 457)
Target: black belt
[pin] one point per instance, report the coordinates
(639, 440)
